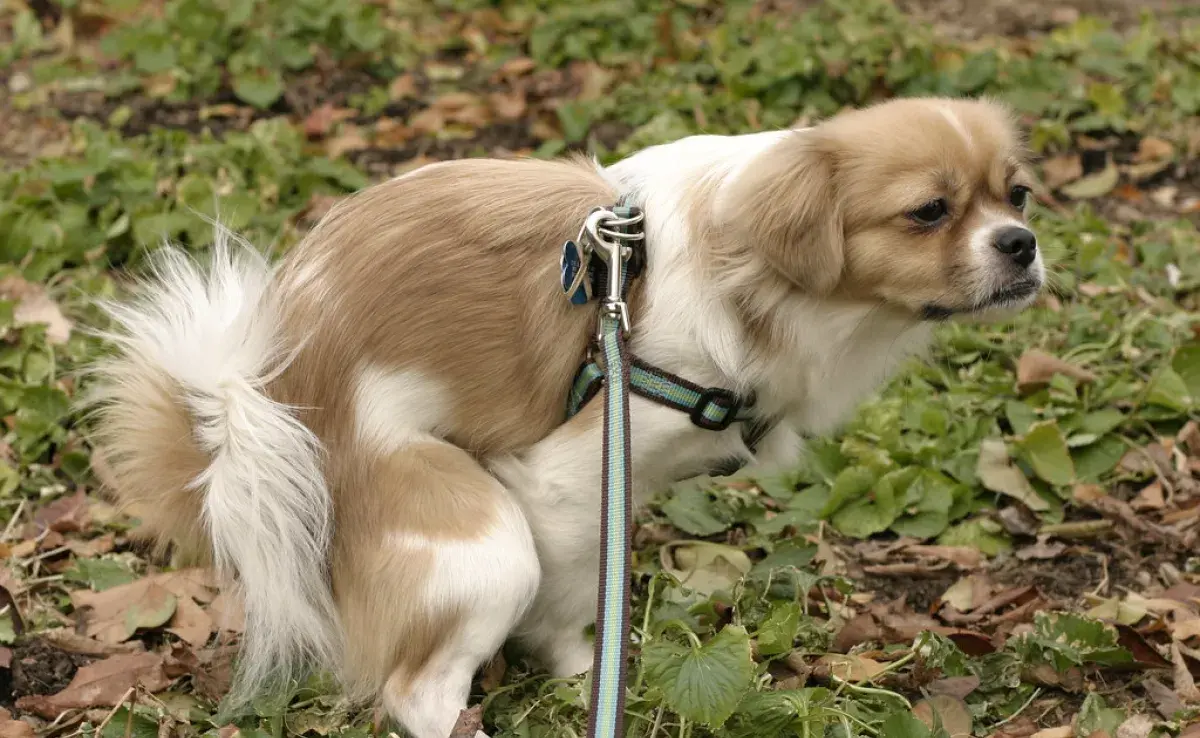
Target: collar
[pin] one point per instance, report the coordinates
(710, 408)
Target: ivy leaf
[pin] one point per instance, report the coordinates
(702, 683)
(1168, 389)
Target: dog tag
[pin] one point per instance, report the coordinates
(573, 265)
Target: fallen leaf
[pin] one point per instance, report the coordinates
(349, 138)
(958, 687)
(1166, 701)
(1186, 630)
(1137, 726)
(1036, 368)
(1093, 185)
(1059, 170)
(848, 668)
(35, 307)
(1042, 550)
(101, 684)
(227, 613)
(1151, 148)
(508, 105)
(705, 567)
(949, 713)
(115, 614)
(403, 87)
(997, 474)
(1022, 727)
(190, 622)
(16, 729)
(318, 123)
(967, 558)
(469, 723)
(1149, 498)
(1185, 685)
(1064, 731)
(64, 515)
(72, 642)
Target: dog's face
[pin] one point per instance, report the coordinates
(919, 203)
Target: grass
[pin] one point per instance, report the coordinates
(913, 562)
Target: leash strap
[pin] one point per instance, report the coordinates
(711, 408)
(612, 618)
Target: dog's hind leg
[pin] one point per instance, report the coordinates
(434, 566)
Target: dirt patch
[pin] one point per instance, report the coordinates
(39, 668)
(976, 18)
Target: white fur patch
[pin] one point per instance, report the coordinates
(394, 408)
(266, 507)
(957, 124)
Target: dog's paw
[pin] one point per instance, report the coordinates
(571, 659)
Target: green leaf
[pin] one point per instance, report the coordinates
(1095, 716)
(1187, 365)
(981, 533)
(904, 725)
(258, 86)
(851, 484)
(997, 474)
(1093, 185)
(691, 509)
(1098, 459)
(1046, 451)
(703, 684)
(778, 632)
(1168, 389)
(1101, 421)
(99, 574)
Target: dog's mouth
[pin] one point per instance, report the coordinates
(1014, 295)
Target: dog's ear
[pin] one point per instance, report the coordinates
(784, 206)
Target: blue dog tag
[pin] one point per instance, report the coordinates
(574, 270)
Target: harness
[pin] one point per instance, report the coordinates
(616, 236)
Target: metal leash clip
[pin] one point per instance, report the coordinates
(608, 245)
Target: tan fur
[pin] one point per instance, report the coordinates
(427, 491)
(451, 271)
(147, 447)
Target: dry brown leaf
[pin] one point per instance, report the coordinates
(1137, 726)
(949, 713)
(349, 138)
(402, 88)
(958, 687)
(964, 556)
(1063, 731)
(320, 121)
(101, 684)
(1036, 368)
(1185, 685)
(115, 614)
(510, 105)
(35, 307)
(1059, 170)
(1165, 700)
(1149, 498)
(227, 613)
(848, 668)
(64, 515)
(1152, 149)
(72, 642)
(10, 728)
(191, 623)
(1022, 727)
(1042, 550)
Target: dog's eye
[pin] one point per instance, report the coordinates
(1018, 196)
(930, 213)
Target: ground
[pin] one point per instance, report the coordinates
(1006, 536)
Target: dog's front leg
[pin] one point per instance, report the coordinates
(558, 483)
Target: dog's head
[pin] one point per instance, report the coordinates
(920, 203)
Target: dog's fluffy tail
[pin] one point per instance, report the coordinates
(196, 448)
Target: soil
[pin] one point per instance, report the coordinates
(976, 18)
(39, 668)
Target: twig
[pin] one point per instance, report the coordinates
(1077, 529)
(1020, 710)
(12, 522)
(120, 703)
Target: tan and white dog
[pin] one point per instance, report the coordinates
(369, 437)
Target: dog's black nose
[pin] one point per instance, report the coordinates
(1019, 243)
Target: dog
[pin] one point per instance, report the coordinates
(368, 437)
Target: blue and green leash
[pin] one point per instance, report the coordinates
(615, 235)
